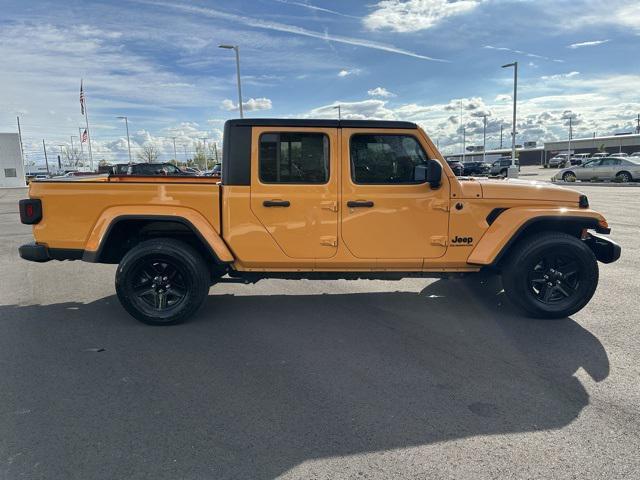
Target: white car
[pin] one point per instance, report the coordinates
(610, 168)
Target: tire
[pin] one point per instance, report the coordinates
(550, 275)
(162, 281)
(569, 177)
(624, 177)
(504, 172)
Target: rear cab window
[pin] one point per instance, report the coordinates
(294, 157)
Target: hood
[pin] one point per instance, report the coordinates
(515, 189)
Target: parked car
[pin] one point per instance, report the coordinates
(476, 168)
(579, 158)
(192, 171)
(216, 171)
(635, 154)
(381, 212)
(559, 160)
(457, 167)
(609, 168)
(501, 166)
(600, 155)
(155, 169)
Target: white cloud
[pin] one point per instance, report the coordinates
(348, 72)
(415, 15)
(558, 76)
(522, 52)
(250, 105)
(285, 28)
(503, 98)
(380, 92)
(591, 43)
(365, 109)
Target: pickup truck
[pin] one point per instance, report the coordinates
(320, 199)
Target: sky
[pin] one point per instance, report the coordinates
(434, 62)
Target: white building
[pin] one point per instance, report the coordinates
(11, 166)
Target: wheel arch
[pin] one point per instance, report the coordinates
(503, 234)
(123, 232)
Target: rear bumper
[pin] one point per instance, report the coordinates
(34, 252)
(605, 250)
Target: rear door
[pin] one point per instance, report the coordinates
(386, 213)
(294, 188)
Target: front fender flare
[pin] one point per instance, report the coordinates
(512, 223)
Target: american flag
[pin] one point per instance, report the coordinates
(81, 99)
(84, 136)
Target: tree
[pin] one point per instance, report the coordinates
(149, 153)
(72, 156)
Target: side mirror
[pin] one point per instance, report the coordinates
(434, 173)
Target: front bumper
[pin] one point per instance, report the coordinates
(34, 252)
(605, 250)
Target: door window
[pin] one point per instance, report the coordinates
(294, 158)
(385, 159)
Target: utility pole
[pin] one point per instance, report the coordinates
(186, 158)
(513, 169)
(175, 155)
(638, 127)
(501, 127)
(570, 138)
(215, 149)
(339, 111)
(46, 160)
(60, 157)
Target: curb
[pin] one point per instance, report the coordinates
(597, 184)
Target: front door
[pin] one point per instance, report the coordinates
(294, 188)
(386, 213)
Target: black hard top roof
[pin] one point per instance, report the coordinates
(307, 122)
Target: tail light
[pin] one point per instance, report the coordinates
(30, 211)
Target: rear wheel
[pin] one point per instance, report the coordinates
(569, 177)
(503, 172)
(162, 281)
(624, 177)
(551, 275)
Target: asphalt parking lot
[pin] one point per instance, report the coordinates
(295, 379)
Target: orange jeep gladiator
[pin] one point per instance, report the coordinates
(320, 199)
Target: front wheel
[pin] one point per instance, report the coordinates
(551, 275)
(162, 281)
(624, 177)
(569, 177)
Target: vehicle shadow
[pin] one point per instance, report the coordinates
(256, 385)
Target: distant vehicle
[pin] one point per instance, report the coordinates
(191, 171)
(167, 169)
(610, 168)
(600, 155)
(559, 160)
(501, 166)
(621, 154)
(476, 168)
(216, 171)
(457, 167)
(635, 154)
(579, 158)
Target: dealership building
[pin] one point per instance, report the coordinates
(11, 164)
(531, 154)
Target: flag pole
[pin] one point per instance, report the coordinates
(81, 149)
(86, 119)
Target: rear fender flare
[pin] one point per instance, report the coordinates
(95, 243)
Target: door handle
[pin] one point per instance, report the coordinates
(276, 203)
(359, 204)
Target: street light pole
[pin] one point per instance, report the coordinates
(204, 149)
(570, 137)
(484, 139)
(236, 49)
(126, 122)
(339, 111)
(72, 150)
(175, 155)
(513, 170)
